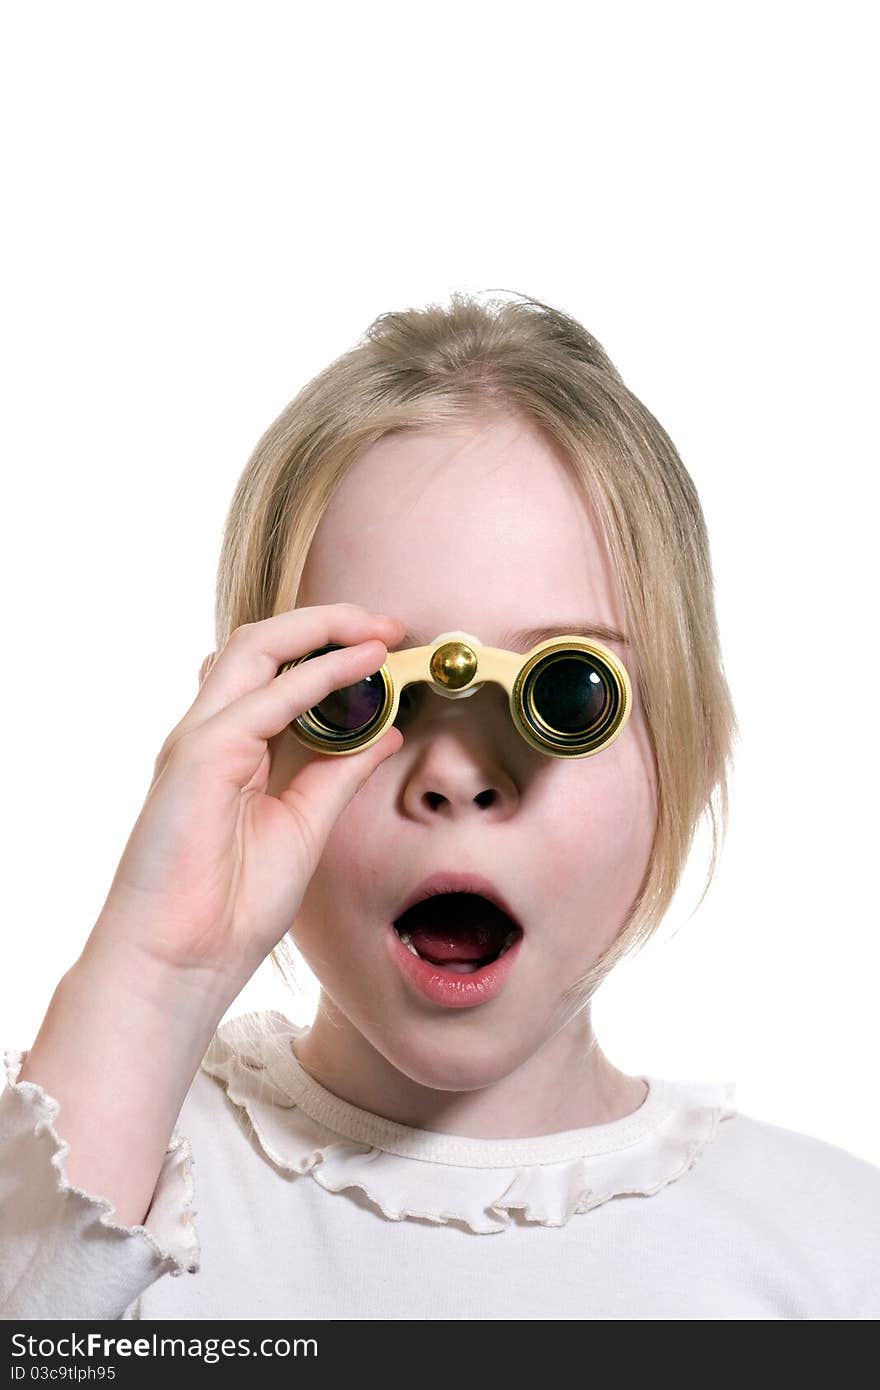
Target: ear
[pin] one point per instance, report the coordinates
(205, 667)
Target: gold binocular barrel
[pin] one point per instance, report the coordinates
(569, 697)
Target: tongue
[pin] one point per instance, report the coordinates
(456, 927)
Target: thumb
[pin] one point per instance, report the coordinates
(328, 782)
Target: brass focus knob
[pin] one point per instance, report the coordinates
(454, 665)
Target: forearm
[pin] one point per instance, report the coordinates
(118, 1049)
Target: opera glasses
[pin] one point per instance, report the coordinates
(569, 697)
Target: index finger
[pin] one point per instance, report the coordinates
(255, 652)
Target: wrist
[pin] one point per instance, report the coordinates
(110, 968)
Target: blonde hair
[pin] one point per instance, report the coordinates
(425, 368)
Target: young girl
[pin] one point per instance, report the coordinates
(466, 711)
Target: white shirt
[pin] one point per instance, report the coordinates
(279, 1200)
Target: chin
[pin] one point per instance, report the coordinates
(457, 1060)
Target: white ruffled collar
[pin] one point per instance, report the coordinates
(419, 1174)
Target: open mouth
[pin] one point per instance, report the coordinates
(459, 932)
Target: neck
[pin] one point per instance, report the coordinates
(568, 1083)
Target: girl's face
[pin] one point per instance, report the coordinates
(478, 528)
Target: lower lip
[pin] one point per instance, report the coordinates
(444, 987)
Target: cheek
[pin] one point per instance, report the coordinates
(356, 856)
(596, 832)
(358, 872)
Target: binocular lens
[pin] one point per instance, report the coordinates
(354, 708)
(569, 695)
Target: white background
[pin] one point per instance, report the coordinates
(205, 203)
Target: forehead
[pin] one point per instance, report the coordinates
(481, 526)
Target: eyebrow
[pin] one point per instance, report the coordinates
(524, 638)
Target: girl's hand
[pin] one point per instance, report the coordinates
(215, 870)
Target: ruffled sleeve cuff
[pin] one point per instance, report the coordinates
(64, 1254)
